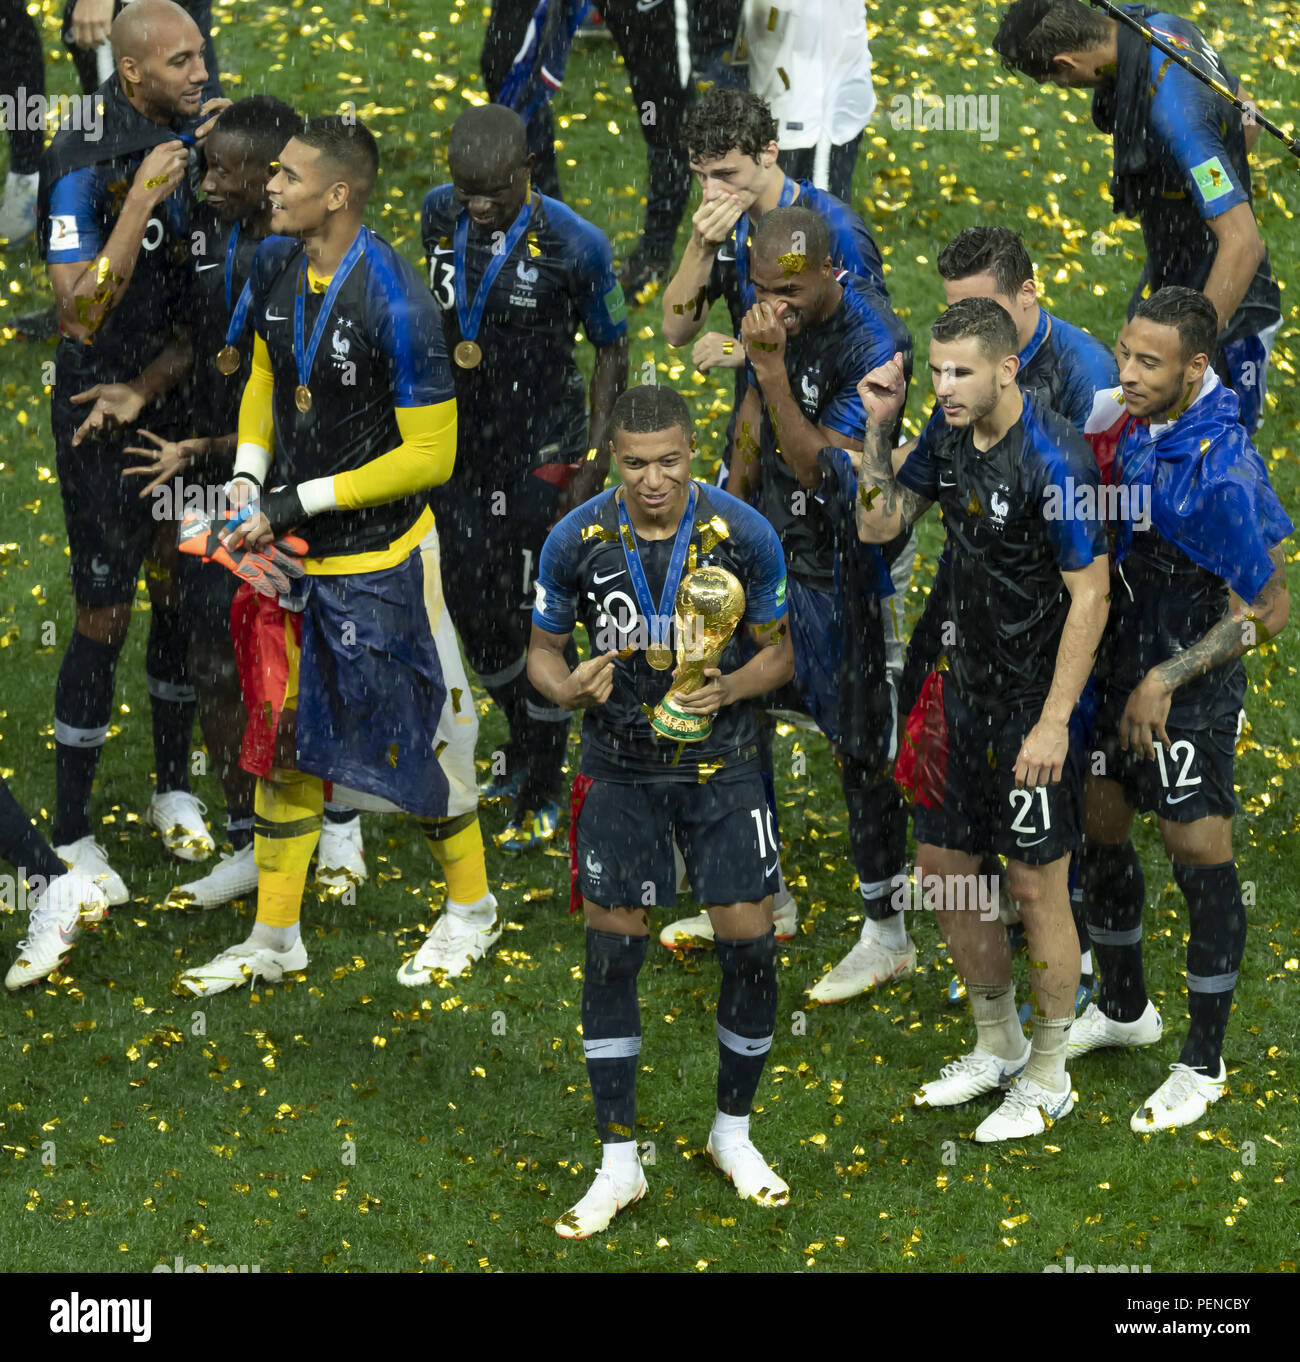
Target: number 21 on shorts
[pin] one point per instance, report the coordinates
(1022, 802)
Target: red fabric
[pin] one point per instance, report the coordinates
(1104, 444)
(581, 784)
(557, 474)
(922, 766)
(257, 625)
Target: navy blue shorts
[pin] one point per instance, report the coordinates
(983, 810)
(110, 526)
(1192, 779)
(207, 593)
(724, 828)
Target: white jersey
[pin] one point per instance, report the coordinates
(813, 67)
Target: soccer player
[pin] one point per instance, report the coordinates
(115, 212)
(228, 227)
(1066, 366)
(654, 40)
(1063, 364)
(516, 274)
(61, 900)
(86, 26)
(615, 562)
(1180, 166)
(810, 335)
(731, 138)
(349, 412)
(1200, 581)
(1028, 597)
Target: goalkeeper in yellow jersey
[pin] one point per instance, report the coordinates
(352, 676)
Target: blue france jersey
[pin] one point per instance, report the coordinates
(381, 348)
(1066, 366)
(1194, 168)
(823, 364)
(525, 403)
(1017, 516)
(853, 248)
(583, 578)
(84, 206)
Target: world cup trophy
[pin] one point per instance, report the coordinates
(710, 604)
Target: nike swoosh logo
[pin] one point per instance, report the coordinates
(274, 317)
(1020, 841)
(953, 483)
(608, 577)
(753, 1049)
(645, 6)
(771, 869)
(1169, 799)
(200, 268)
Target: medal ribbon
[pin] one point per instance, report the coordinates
(657, 619)
(742, 240)
(304, 356)
(470, 315)
(240, 314)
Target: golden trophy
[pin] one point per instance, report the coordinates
(710, 604)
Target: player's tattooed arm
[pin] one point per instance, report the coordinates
(1243, 627)
(86, 291)
(885, 506)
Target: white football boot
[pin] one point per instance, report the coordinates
(243, 964)
(233, 877)
(1027, 1110)
(178, 816)
(749, 1171)
(452, 946)
(86, 857)
(1182, 1099)
(58, 913)
(969, 1077)
(604, 1199)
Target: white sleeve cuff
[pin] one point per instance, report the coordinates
(252, 459)
(317, 495)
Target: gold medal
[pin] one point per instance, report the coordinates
(302, 397)
(659, 656)
(227, 360)
(468, 354)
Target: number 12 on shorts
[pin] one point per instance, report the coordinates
(1182, 753)
(1021, 803)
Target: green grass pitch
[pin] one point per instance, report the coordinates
(346, 1123)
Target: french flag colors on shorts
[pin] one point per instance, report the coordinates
(384, 710)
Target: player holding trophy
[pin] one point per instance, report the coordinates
(662, 537)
